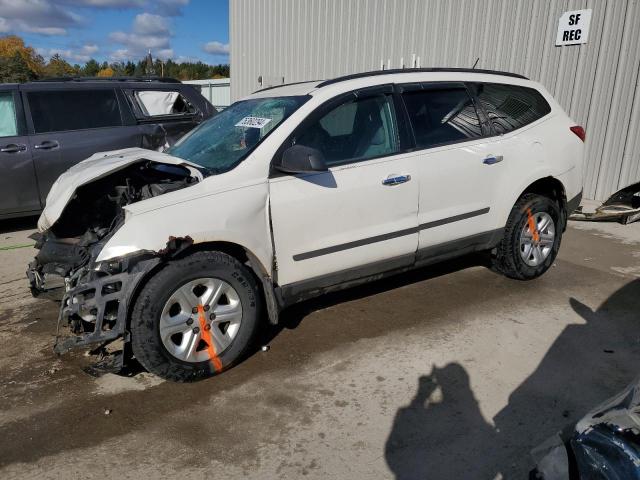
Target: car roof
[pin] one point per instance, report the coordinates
(358, 80)
(80, 83)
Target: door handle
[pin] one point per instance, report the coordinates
(13, 148)
(47, 145)
(491, 159)
(396, 180)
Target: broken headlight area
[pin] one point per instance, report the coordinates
(92, 215)
(96, 208)
(95, 296)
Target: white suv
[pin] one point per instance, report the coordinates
(298, 190)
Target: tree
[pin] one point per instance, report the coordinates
(90, 69)
(130, 68)
(15, 70)
(12, 45)
(106, 72)
(59, 67)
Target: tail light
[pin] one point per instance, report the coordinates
(579, 131)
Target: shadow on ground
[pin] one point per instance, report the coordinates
(442, 433)
(17, 224)
(292, 316)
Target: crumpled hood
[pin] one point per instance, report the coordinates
(97, 166)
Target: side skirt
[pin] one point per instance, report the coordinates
(299, 291)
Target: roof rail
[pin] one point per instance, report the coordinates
(413, 70)
(110, 79)
(286, 85)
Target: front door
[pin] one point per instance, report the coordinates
(359, 217)
(17, 176)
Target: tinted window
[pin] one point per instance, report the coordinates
(509, 107)
(8, 124)
(356, 130)
(440, 116)
(56, 111)
(155, 103)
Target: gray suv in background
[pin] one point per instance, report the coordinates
(48, 126)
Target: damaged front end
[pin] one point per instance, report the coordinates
(95, 295)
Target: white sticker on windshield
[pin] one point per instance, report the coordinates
(253, 122)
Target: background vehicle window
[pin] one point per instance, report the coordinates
(56, 110)
(441, 116)
(509, 107)
(8, 123)
(155, 103)
(357, 130)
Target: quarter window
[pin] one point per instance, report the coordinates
(359, 129)
(154, 103)
(440, 116)
(509, 107)
(60, 110)
(8, 123)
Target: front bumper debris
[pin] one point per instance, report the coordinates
(623, 207)
(96, 302)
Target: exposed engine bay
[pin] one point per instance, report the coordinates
(94, 296)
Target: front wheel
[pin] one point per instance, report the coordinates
(196, 317)
(531, 238)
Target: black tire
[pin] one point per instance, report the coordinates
(507, 259)
(145, 336)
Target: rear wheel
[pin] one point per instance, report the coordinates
(196, 317)
(531, 239)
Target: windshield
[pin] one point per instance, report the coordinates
(225, 140)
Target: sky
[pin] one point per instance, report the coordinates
(121, 30)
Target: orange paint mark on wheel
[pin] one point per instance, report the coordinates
(533, 228)
(205, 334)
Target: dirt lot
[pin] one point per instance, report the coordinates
(450, 372)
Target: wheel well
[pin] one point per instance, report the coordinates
(229, 248)
(232, 249)
(549, 187)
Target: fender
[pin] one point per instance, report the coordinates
(504, 208)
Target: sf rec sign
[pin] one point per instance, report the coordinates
(573, 27)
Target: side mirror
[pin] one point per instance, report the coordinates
(301, 159)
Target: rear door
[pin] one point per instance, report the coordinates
(359, 217)
(17, 176)
(69, 125)
(164, 114)
(460, 168)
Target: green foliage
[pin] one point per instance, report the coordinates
(59, 67)
(15, 70)
(90, 69)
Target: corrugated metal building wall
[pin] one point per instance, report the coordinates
(597, 83)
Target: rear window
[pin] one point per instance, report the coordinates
(509, 107)
(441, 115)
(155, 103)
(60, 110)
